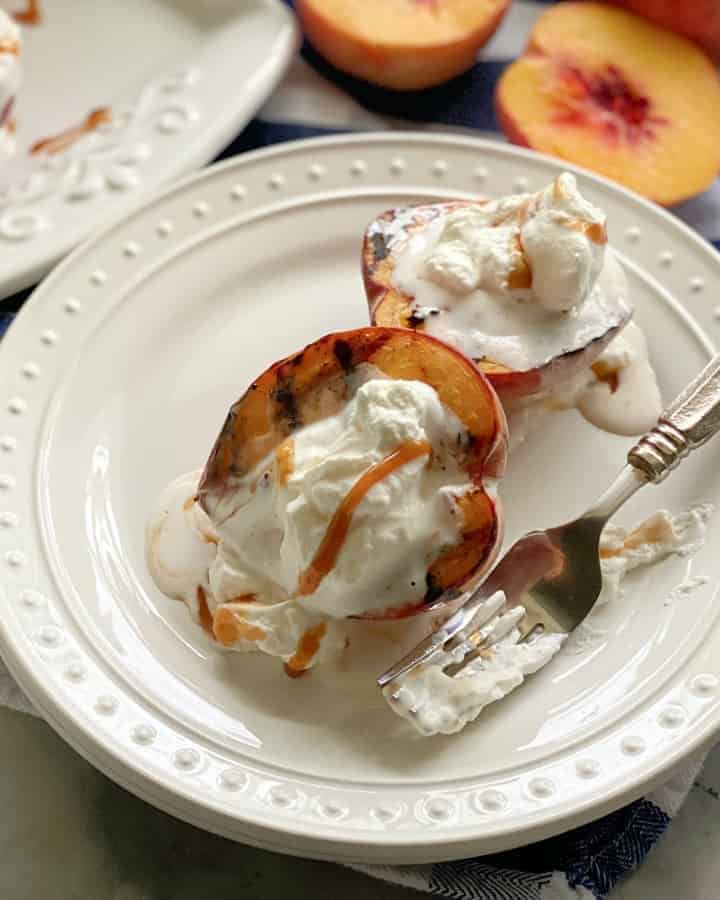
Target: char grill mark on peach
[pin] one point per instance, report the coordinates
(287, 405)
(606, 101)
(343, 354)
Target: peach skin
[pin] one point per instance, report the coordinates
(404, 44)
(699, 21)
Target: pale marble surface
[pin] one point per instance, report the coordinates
(68, 833)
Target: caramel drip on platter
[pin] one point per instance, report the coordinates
(65, 139)
(204, 614)
(307, 647)
(31, 15)
(337, 531)
(285, 460)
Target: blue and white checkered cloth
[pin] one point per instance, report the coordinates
(316, 99)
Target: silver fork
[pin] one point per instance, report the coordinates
(551, 579)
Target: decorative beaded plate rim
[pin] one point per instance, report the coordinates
(169, 764)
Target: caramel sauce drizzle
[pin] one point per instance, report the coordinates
(65, 139)
(593, 231)
(229, 627)
(307, 647)
(654, 531)
(8, 46)
(204, 614)
(285, 460)
(331, 544)
(31, 15)
(520, 277)
(609, 376)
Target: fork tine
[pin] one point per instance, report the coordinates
(486, 638)
(466, 620)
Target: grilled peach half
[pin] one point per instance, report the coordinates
(320, 380)
(562, 357)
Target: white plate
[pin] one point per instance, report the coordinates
(182, 79)
(116, 376)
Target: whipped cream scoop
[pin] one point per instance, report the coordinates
(242, 575)
(521, 282)
(547, 247)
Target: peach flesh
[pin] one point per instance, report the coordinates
(605, 88)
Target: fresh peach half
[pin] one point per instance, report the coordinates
(698, 20)
(385, 239)
(606, 89)
(403, 44)
(319, 381)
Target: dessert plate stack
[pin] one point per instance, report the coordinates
(170, 112)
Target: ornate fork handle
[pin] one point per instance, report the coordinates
(690, 420)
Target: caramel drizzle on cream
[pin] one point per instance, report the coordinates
(605, 373)
(285, 461)
(307, 647)
(337, 531)
(9, 46)
(520, 278)
(229, 627)
(65, 139)
(593, 231)
(655, 530)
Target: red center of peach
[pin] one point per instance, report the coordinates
(608, 101)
